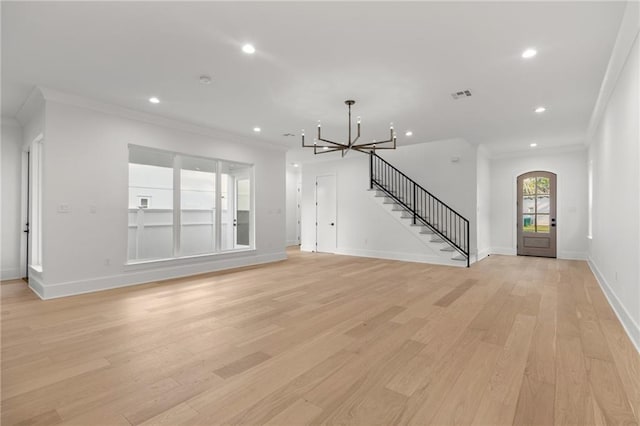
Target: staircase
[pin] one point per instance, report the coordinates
(438, 222)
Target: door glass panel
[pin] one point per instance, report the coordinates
(542, 203)
(528, 223)
(235, 180)
(542, 223)
(528, 204)
(543, 185)
(529, 186)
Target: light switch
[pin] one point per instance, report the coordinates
(92, 208)
(64, 208)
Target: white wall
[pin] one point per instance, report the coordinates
(12, 226)
(614, 251)
(483, 194)
(571, 204)
(292, 182)
(85, 164)
(365, 228)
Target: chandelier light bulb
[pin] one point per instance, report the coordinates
(318, 123)
(358, 120)
(391, 126)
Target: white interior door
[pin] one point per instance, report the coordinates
(326, 214)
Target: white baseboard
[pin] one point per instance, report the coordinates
(72, 288)
(563, 254)
(506, 251)
(292, 243)
(35, 284)
(482, 254)
(405, 257)
(307, 247)
(572, 255)
(10, 274)
(629, 325)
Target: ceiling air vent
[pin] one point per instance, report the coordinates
(461, 94)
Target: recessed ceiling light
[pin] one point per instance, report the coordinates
(540, 109)
(325, 148)
(154, 100)
(408, 133)
(529, 53)
(249, 49)
(257, 129)
(533, 145)
(205, 79)
(295, 164)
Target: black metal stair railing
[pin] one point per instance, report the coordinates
(426, 208)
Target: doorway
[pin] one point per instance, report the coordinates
(537, 214)
(326, 214)
(243, 212)
(25, 230)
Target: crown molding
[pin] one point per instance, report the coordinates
(627, 34)
(52, 95)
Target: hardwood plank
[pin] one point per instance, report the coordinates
(454, 294)
(173, 416)
(572, 385)
(463, 398)
(626, 360)
(241, 365)
(608, 393)
(498, 403)
(300, 412)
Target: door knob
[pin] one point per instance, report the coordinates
(332, 224)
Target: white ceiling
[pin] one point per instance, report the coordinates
(400, 61)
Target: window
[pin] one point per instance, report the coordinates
(150, 227)
(198, 206)
(143, 202)
(173, 201)
(535, 204)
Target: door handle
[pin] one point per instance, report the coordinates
(332, 224)
(235, 222)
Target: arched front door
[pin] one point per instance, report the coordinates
(537, 214)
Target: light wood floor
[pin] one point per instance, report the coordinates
(325, 339)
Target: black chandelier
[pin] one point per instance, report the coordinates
(323, 146)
